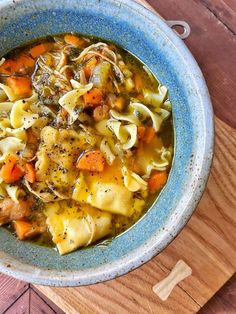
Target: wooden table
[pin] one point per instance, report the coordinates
(208, 242)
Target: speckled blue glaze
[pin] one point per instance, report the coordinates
(145, 35)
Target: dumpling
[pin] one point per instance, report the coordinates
(57, 155)
(111, 197)
(74, 226)
(105, 191)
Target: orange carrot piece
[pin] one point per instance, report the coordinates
(25, 229)
(149, 135)
(11, 159)
(22, 64)
(93, 97)
(30, 173)
(140, 149)
(16, 174)
(22, 228)
(20, 86)
(92, 161)
(10, 171)
(138, 82)
(74, 40)
(141, 132)
(135, 166)
(8, 67)
(157, 181)
(40, 49)
(88, 68)
(146, 134)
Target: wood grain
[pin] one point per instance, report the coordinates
(21, 306)
(224, 10)
(213, 44)
(17, 297)
(131, 293)
(224, 301)
(10, 290)
(37, 306)
(36, 300)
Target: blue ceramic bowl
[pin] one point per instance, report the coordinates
(148, 37)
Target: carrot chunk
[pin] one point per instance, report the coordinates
(20, 86)
(40, 49)
(92, 161)
(25, 229)
(74, 40)
(93, 97)
(141, 132)
(22, 228)
(20, 65)
(146, 134)
(11, 159)
(135, 167)
(11, 172)
(30, 173)
(25, 60)
(149, 135)
(8, 67)
(157, 181)
(24, 63)
(16, 174)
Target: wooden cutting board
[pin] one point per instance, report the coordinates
(208, 242)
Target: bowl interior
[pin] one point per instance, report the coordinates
(139, 31)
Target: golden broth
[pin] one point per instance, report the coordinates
(91, 140)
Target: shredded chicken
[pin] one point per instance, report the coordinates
(10, 210)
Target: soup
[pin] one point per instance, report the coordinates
(86, 141)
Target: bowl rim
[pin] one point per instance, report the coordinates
(144, 252)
